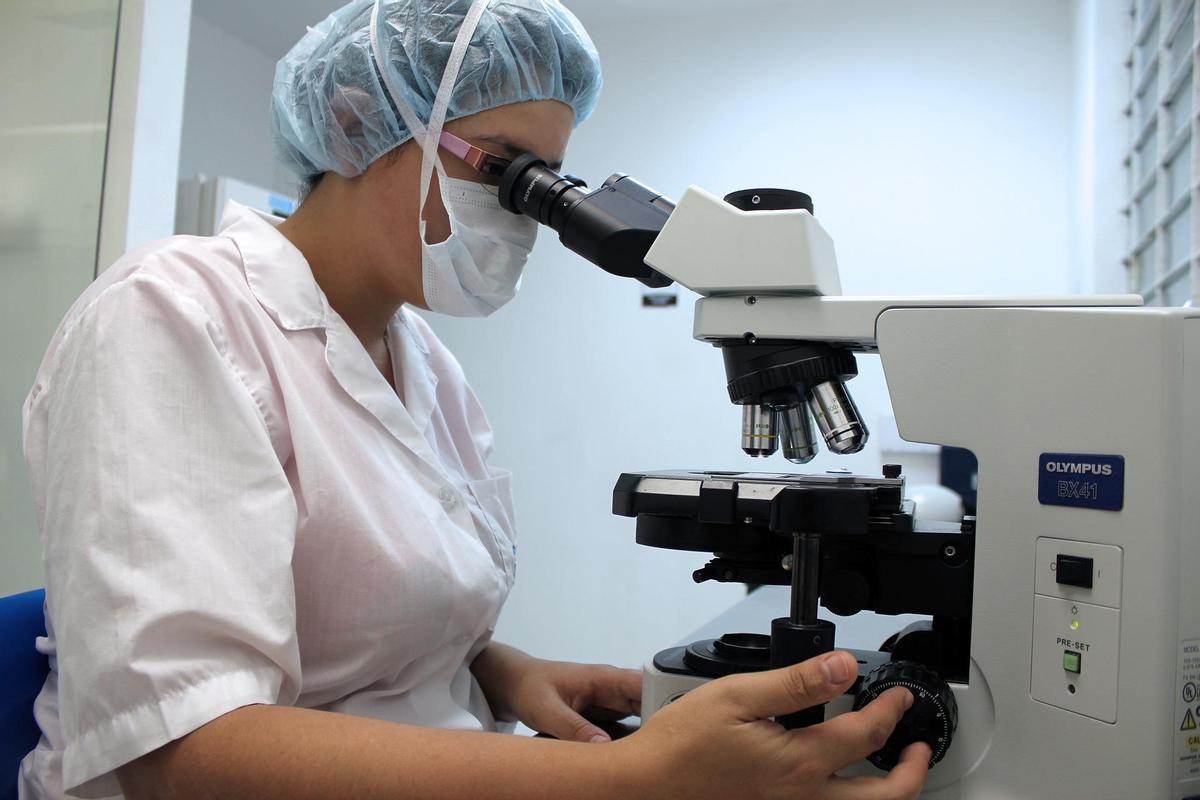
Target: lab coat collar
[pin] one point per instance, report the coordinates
(354, 370)
(277, 272)
(283, 282)
(410, 362)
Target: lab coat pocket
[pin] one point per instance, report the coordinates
(494, 497)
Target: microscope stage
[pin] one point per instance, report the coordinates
(700, 510)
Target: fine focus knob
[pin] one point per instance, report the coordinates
(932, 718)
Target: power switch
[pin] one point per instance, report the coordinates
(1073, 571)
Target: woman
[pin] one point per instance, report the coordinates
(275, 546)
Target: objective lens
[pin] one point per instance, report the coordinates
(759, 438)
(837, 417)
(799, 445)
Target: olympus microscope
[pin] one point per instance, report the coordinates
(1061, 657)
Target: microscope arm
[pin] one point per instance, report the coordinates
(848, 322)
(773, 275)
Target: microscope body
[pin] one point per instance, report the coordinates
(1079, 631)
(1062, 654)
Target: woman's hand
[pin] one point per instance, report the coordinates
(553, 697)
(718, 740)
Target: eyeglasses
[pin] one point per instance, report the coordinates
(490, 165)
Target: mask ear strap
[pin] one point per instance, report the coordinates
(428, 137)
(437, 116)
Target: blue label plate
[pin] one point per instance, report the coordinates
(1082, 480)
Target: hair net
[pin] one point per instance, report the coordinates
(331, 111)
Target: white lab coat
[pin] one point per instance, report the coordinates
(237, 508)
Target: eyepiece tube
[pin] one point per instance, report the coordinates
(541, 193)
(799, 445)
(759, 431)
(612, 226)
(837, 417)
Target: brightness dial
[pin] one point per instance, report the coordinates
(932, 718)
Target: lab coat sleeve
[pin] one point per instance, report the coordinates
(168, 526)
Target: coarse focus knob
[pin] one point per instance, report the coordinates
(932, 718)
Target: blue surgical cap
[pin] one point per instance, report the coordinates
(331, 112)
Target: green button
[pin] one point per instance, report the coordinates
(1071, 661)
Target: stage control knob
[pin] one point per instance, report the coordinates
(932, 718)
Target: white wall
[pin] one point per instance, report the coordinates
(227, 102)
(936, 140)
(144, 126)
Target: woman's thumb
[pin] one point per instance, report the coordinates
(564, 723)
(784, 691)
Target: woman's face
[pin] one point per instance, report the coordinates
(541, 127)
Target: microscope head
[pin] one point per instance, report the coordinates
(775, 247)
(784, 385)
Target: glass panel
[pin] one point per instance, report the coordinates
(1146, 8)
(1179, 107)
(1145, 269)
(1145, 50)
(1145, 216)
(1146, 102)
(1178, 290)
(1145, 158)
(56, 63)
(1181, 45)
(1179, 173)
(1179, 238)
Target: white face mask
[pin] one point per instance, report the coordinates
(478, 268)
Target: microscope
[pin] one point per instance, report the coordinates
(1060, 656)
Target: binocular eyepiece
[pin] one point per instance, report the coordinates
(612, 226)
(784, 387)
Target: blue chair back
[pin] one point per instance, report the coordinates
(23, 670)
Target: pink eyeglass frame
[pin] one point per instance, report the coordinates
(481, 160)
